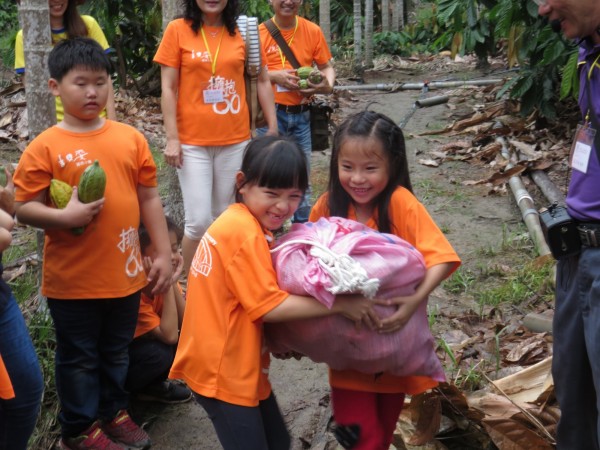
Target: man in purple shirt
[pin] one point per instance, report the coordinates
(576, 328)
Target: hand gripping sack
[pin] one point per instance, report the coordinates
(333, 256)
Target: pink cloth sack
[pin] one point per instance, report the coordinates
(334, 256)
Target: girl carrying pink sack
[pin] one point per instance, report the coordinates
(369, 182)
(337, 256)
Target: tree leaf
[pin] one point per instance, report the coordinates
(511, 435)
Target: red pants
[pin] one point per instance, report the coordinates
(375, 414)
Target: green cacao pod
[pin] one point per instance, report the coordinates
(92, 183)
(3, 179)
(60, 193)
(303, 84)
(315, 77)
(304, 71)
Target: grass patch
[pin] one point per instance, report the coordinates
(525, 283)
(460, 281)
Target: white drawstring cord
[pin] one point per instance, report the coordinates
(347, 275)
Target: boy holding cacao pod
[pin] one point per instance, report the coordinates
(294, 83)
(93, 279)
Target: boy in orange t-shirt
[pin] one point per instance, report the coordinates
(156, 335)
(92, 280)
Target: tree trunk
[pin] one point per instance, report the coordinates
(325, 20)
(174, 203)
(398, 15)
(358, 62)
(37, 44)
(369, 33)
(385, 15)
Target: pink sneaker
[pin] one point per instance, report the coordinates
(124, 431)
(91, 439)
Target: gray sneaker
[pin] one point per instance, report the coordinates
(165, 392)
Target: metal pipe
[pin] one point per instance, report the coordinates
(431, 101)
(418, 86)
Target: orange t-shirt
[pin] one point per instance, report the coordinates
(410, 221)
(308, 45)
(232, 285)
(150, 313)
(198, 123)
(6, 389)
(104, 261)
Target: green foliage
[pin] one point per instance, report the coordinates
(390, 43)
(133, 28)
(9, 24)
(256, 8)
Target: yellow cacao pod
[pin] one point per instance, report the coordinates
(303, 84)
(304, 71)
(92, 183)
(60, 193)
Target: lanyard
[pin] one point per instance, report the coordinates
(589, 92)
(213, 60)
(281, 55)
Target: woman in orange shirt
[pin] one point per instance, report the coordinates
(232, 290)
(21, 383)
(369, 182)
(203, 101)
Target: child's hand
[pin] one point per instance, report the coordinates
(78, 214)
(7, 197)
(177, 268)
(6, 224)
(358, 309)
(406, 308)
(160, 274)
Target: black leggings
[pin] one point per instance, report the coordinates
(245, 427)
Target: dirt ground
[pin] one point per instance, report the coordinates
(472, 220)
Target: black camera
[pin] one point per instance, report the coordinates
(560, 231)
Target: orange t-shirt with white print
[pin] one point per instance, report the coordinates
(105, 261)
(198, 122)
(308, 45)
(6, 389)
(150, 312)
(232, 284)
(411, 222)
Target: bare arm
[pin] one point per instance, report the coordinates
(169, 81)
(168, 329)
(353, 307)
(153, 218)
(76, 214)
(267, 100)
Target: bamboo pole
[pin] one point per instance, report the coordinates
(548, 188)
(432, 101)
(525, 202)
(418, 86)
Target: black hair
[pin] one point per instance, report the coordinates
(77, 52)
(370, 124)
(274, 162)
(144, 237)
(193, 13)
(72, 21)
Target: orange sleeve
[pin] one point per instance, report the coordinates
(6, 389)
